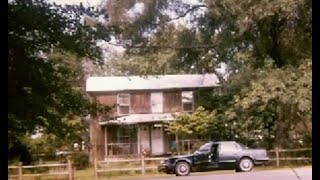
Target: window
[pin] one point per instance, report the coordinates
(123, 104)
(125, 134)
(228, 147)
(242, 146)
(206, 147)
(187, 101)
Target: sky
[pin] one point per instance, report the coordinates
(71, 2)
(137, 9)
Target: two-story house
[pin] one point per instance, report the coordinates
(140, 106)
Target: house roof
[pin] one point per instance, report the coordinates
(122, 83)
(139, 118)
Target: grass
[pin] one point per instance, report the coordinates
(88, 174)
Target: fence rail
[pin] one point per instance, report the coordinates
(277, 152)
(69, 173)
(142, 165)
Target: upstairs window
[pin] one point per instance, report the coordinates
(187, 101)
(123, 104)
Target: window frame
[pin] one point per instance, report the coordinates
(192, 101)
(122, 104)
(228, 149)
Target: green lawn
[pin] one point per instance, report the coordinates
(88, 174)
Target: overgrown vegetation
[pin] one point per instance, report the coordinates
(47, 43)
(264, 45)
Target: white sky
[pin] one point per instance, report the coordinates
(137, 9)
(71, 2)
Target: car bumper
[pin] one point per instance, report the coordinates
(263, 161)
(166, 168)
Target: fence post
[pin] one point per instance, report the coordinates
(70, 169)
(20, 171)
(177, 144)
(277, 156)
(95, 168)
(143, 170)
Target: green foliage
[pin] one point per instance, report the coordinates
(80, 160)
(47, 43)
(279, 31)
(195, 123)
(266, 46)
(275, 103)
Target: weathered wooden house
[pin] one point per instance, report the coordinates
(140, 106)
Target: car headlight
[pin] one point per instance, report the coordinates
(164, 161)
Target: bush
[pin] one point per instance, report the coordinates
(80, 160)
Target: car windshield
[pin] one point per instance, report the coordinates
(205, 147)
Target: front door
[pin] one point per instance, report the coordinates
(157, 144)
(202, 156)
(144, 138)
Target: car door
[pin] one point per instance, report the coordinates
(228, 155)
(202, 155)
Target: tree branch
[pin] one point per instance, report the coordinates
(195, 7)
(201, 46)
(219, 76)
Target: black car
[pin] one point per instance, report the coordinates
(223, 155)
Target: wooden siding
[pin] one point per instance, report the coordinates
(109, 100)
(140, 102)
(172, 101)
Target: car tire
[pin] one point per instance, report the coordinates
(245, 165)
(182, 168)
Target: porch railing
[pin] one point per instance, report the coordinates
(116, 149)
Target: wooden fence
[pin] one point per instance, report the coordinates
(278, 157)
(141, 163)
(69, 173)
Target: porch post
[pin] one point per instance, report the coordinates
(177, 144)
(150, 137)
(163, 142)
(105, 141)
(139, 139)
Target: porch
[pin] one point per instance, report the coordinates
(131, 140)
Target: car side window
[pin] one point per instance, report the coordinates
(205, 147)
(228, 147)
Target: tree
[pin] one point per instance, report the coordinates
(280, 30)
(44, 88)
(254, 38)
(196, 123)
(274, 104)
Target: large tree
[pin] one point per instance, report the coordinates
(219, 31)
(47, 43)
(263, 43)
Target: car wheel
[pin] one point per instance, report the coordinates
(182, 169)
(245, 165)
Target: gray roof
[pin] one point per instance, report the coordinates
(140, 118)
(122, 83)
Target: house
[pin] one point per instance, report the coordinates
(140, 106)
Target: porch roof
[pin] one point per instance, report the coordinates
(139, 118)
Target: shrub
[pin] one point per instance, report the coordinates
(80, 160)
